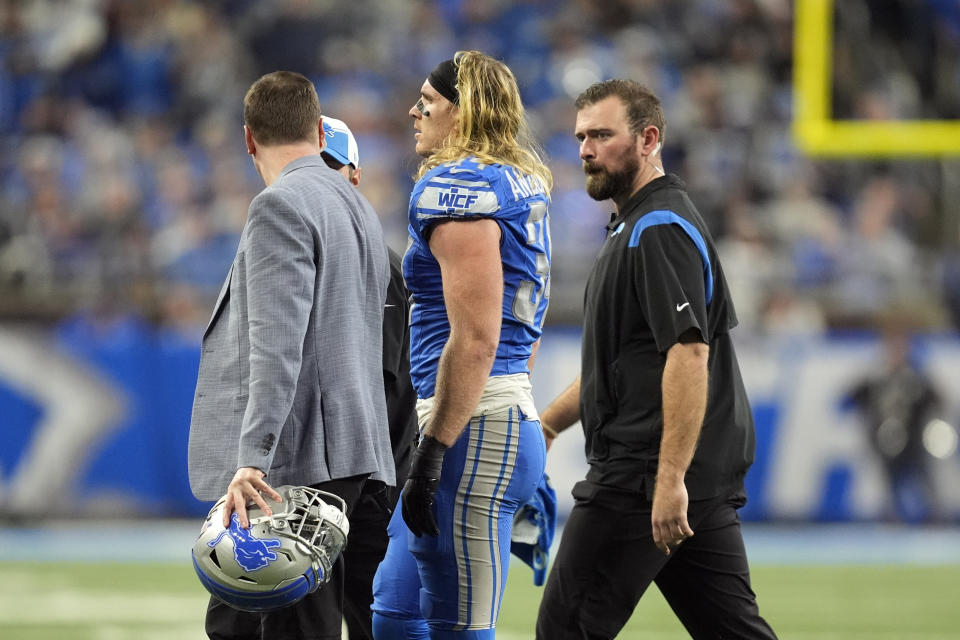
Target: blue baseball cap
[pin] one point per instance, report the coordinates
(339, 143)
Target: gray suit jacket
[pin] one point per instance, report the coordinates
(291, 378)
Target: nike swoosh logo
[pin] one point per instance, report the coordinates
(681, 306)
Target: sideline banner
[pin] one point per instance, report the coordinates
(94, 421)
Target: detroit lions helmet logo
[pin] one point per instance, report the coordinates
(251, 553)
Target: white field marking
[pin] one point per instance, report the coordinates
(101, 607)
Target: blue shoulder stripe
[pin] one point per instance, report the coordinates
(664, 216)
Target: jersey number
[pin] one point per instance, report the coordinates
(530, 294)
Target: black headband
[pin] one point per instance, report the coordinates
(444, 80)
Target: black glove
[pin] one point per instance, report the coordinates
(417, 498)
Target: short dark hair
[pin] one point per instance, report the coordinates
(643, 106)
(282, 108)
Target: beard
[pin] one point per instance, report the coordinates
(603, 184)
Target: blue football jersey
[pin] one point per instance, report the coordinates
(468, 189)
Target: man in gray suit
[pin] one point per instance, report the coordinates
(290, 387)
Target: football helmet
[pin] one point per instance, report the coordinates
(279, 559)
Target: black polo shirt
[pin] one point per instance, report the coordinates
(656, 277)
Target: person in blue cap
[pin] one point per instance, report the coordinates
(340, 150)
(371, 514)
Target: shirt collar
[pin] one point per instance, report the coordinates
(642, 194)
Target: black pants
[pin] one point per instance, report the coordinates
(607, 559)
(319, 616)
(368, 544)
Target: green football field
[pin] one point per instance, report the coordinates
(154, 601)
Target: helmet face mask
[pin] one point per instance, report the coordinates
(280, 558)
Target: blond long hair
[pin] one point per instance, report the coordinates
(492, 125)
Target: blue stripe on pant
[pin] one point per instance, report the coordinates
(455, 580)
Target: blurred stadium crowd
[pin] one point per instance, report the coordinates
(125, 182)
